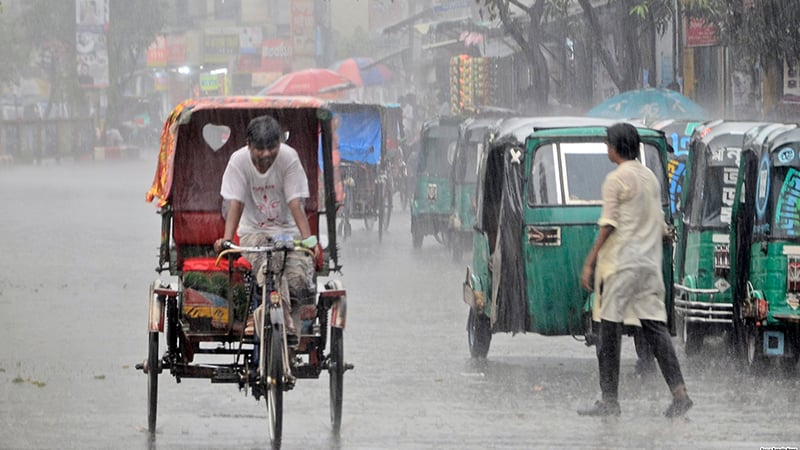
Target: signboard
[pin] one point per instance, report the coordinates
(791, 81)
(303, 29)
(220, 46)
(91, 15)
(176, 49)
(92, 59)
(276, 55)
(157, 52)
(700, 33)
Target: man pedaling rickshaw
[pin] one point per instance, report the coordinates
(264, 187)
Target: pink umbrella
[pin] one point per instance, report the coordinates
(363, 71)
(308, 82)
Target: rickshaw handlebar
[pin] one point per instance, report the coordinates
(279, 243)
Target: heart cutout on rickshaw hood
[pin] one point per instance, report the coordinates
(216, 135)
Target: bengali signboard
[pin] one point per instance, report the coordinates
(700, 33)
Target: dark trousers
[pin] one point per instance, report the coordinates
(608, 355)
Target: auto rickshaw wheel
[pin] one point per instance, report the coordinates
(336, 368)
(479, 334)
(756, 361)
(153, 369)
(274, 385)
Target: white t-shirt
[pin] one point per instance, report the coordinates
(265, 196)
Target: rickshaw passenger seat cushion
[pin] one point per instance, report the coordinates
(208, 264)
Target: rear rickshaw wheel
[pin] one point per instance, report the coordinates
(274, 386)
(336, 368)
(153, 369)
(479, 334)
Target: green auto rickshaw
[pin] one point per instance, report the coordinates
(703, 304)
(537, 211)
(765, 250)
(430, 207)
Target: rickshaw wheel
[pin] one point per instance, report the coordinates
(274, 387)
(336, 368)
(479, 334)
(153, 370)
(369, 221)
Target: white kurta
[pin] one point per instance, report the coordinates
(628, 277)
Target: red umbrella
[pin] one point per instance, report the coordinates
(364, 71)
(308, 82)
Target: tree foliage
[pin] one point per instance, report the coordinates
(761, 28)
(526, 25)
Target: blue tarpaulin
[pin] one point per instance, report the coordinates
(360, 135)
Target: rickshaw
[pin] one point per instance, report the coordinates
(204, 311)
(703, 305)
(430, 206)
(765, 250)
(365, 143)
(538, 206)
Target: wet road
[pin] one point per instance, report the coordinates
(79, 247)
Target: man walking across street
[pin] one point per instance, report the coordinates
(624, 268)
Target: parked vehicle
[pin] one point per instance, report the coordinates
(537, 214)
(679, 134)
(203, 315)
(765, 249)
(703, 302)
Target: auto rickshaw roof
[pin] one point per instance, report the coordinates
(521, 127)
(791, 134)
(589, 131)
(181, 114)
(709, 131)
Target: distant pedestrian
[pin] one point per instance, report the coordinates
(624, 269)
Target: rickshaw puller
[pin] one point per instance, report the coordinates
(264, 187)
(625, 265)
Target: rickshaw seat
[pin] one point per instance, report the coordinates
(202, 228)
